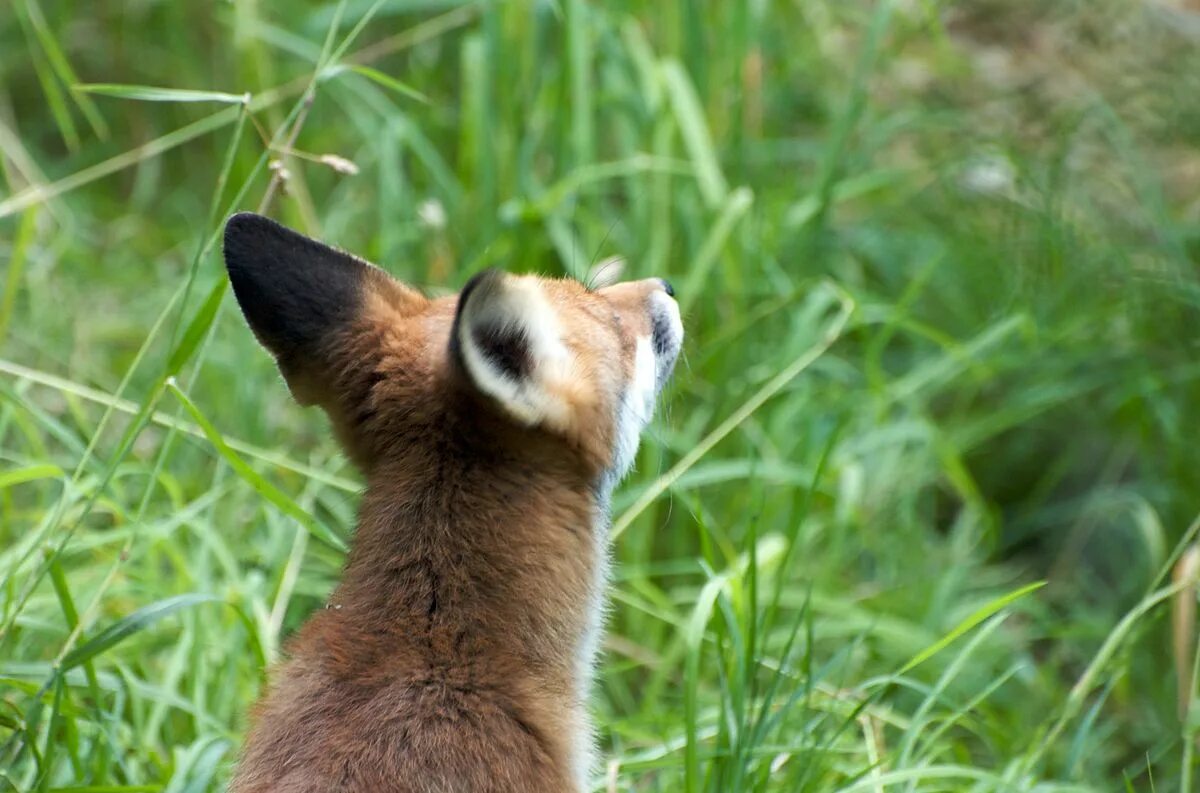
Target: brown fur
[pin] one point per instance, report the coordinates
(446, 657)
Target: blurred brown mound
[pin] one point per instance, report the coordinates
(1044, 63)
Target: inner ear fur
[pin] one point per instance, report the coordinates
(507, 341)
(303, 300)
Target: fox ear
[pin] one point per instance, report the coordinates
(298, 296)
(507, 339)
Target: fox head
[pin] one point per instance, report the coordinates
(509, 360)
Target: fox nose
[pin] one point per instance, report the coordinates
(666, 285)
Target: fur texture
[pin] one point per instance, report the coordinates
(456, 653)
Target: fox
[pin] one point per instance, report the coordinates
(456, 654)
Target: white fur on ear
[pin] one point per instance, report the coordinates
(511, 346)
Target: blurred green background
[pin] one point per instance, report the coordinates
(938, 266)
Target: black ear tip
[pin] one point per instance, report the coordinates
(241, 230)
(246, 222)
(248, 235)
(244, 218)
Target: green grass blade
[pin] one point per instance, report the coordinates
(128, 407)
(198, 328)
(30, 473)
(734, 207)
(53, 93)
(52, 728)
(1049, 734)
(108, 788)
(579, 72)
(694, 640)
(127, 626)
(689, 115)
(16, 268)
(150, 93)
(37, 194)
(382, 79)
(62, 67)
(975, 618)
(264, 488)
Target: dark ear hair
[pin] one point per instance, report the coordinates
(296, 293)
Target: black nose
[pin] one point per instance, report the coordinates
(666, 285)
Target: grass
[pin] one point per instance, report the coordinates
(909, 519)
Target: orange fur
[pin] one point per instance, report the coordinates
(448, 657)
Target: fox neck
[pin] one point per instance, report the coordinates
(475, 569)
(512, 565)
(474, 585)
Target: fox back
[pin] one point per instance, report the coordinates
(491, 426)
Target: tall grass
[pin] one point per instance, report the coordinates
(908, 520)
